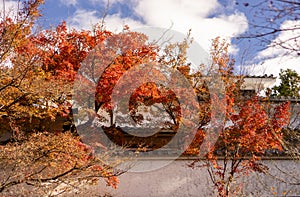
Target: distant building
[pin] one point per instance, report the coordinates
(254, 84)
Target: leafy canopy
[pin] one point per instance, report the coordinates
(289, 84)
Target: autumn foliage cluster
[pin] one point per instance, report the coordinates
(251, 127)
(37, 71)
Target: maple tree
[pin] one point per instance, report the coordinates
(133, 53)
(247, 132)
(62, 49)
(37, 74)
(37, 71)
(27, 92)
(130, 56)
(16, 80)
(52, 164)
(150, 94)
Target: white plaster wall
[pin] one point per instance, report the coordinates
(177, 179)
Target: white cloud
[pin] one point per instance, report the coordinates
(69, 2)
(274, 58)
(115, 23)
(189, 14)
(156, 10)
(11, 8)
(284, 39)
(273, 65)
(95, 2)
(182, 15)
(83, 19)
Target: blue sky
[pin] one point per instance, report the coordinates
(206, 18)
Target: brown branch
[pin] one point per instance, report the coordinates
(289, 2)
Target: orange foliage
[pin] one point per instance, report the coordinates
(44, 67)
(248, 131)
